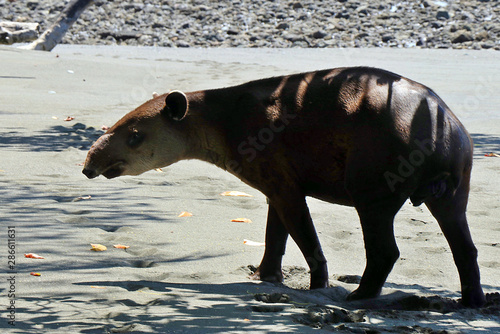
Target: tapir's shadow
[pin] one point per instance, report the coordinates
(485, 143)
(54, 139)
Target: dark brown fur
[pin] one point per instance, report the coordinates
(362, 137)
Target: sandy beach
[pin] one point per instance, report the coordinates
(190, 274)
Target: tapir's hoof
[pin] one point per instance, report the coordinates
(319, 285)
(358, 294)
(473, 300)
(276, 277)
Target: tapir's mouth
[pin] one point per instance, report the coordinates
(114, 170)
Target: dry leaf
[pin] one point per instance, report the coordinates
(253, 243)
(82, 198)
(492, 155)
(185, 214)
(235, 193)
(158, 170)
(33, 256)
(98, 247)
(241, 220)
(69, 118)
(121, 246)
(35, 274)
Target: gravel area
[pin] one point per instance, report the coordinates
(470, 24)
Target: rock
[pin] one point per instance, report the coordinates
(136, 6)
(182, 44)
(387, 38)
(32, 4)
(437, 25)
(442, 15)
(363, 10)
(482, 36)
(120, 35)
(343, 15)
(260, 23)
(462, 36)
(422, 40)
(293, 37)
(319, 34)
(283, 26)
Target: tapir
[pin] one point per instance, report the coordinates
(360, 136)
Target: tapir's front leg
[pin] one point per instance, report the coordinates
(294, 215)
(276, 235)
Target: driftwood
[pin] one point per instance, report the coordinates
(18, 32)
(52, 36)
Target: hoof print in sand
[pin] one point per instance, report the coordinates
(268, 308)
(143, 264)
(272, 297)
(434, 303)
(349, 279)
(249, 269)
(492, 305)
(320, 316)
(269, 299)
(123, 329)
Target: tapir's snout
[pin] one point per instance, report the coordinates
(110, 171)
(102, 160)
(90, 173)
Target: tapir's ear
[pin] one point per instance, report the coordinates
(176, 105)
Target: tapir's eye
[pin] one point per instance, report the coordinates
(135, 139)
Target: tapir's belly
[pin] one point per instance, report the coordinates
(333, 194)
(325, 179)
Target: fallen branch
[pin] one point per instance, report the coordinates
(52, 36)
(18, 32)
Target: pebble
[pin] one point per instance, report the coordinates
(467, 24)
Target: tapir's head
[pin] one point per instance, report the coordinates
(149, 137)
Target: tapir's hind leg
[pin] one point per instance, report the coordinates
(276, 236)
(449, 211)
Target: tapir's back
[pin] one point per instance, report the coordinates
(338, 100)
